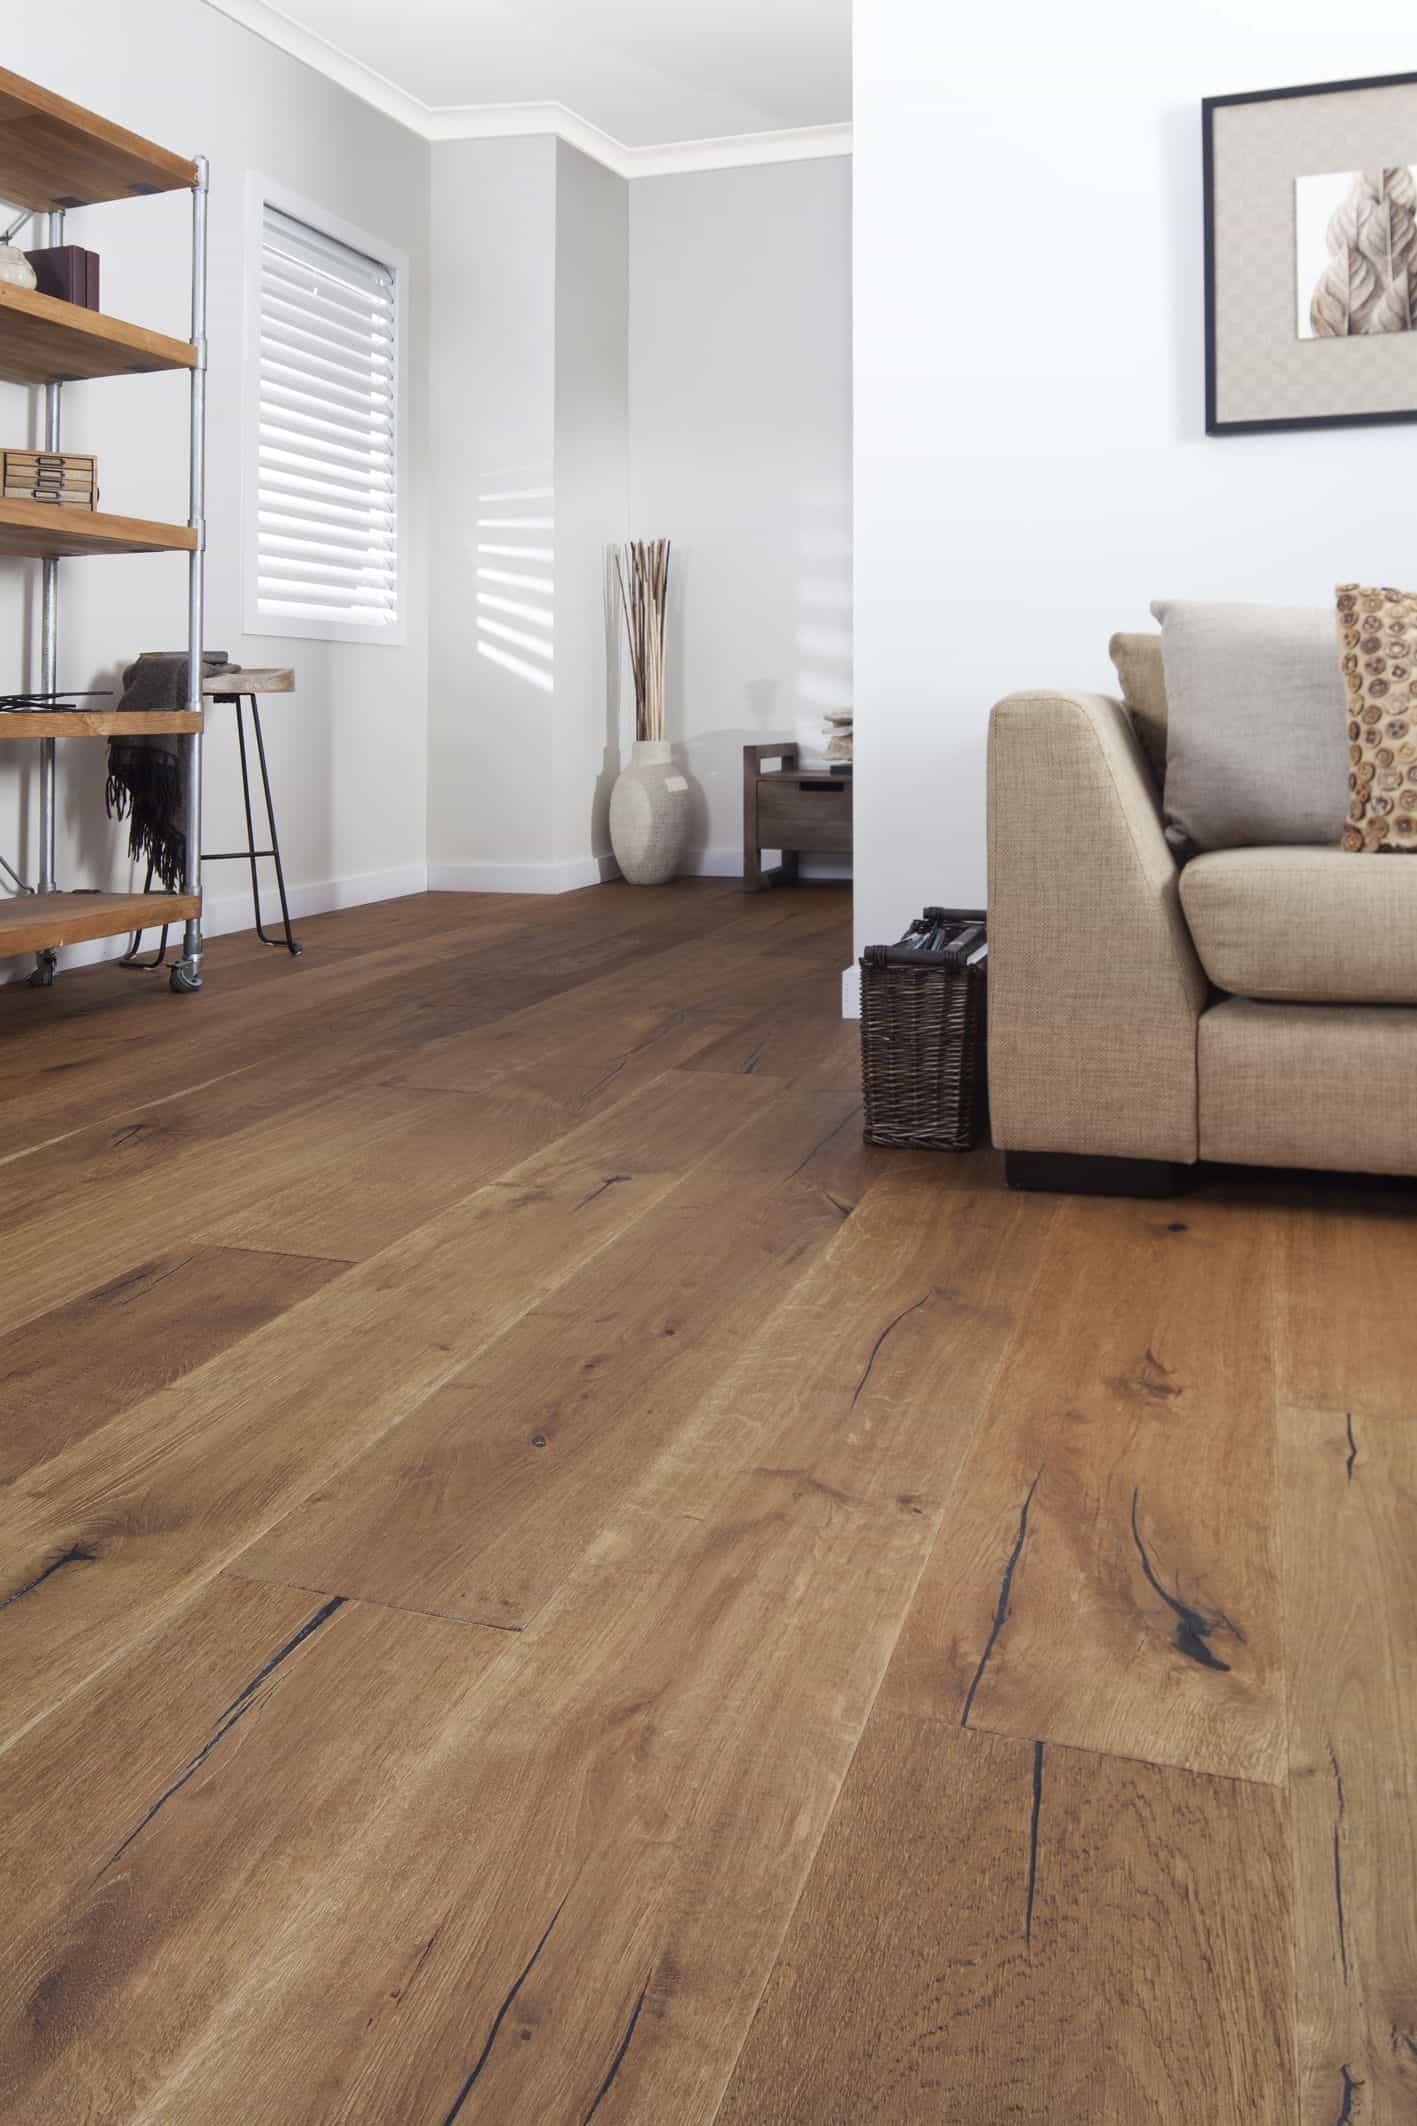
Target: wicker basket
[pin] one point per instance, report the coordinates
(922, 1037)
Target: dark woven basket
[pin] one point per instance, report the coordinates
(922, 1038)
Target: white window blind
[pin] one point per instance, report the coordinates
(326, 530)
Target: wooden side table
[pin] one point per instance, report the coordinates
(791, 809)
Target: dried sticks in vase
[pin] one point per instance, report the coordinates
(642, 570)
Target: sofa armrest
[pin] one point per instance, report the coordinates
(1094, 984)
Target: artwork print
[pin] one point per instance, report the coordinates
(1356, 252)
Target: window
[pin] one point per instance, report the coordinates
(323, 494)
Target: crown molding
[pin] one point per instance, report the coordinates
(506, 121)
(276, 28)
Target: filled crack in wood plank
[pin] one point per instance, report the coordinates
(609, 1182)
(1338, 1864)
(1192, 1628)
(500, 2017)
(1348, 2091)
(888, 1330)
(1033, 1842)
(1001, 1607)
(620, 2050)
(822, 1142)
(237, 1710)
(616, 1064)
(75, 1555)
(1152, 1379)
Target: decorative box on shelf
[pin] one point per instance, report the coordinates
(67, 272)
(59, 476)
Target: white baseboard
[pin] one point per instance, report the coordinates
(224, 913)
(851, 992)
(566, 877)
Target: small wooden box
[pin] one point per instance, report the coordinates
(791, 809)
(66, 478)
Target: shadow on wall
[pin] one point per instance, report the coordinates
(611, 758)
(516, 586)
(824, 640)
(767, 634)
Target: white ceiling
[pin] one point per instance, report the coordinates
(637, 75)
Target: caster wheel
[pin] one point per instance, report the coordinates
(42, 978)
(181, 980)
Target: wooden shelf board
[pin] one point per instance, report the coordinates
(45, 341)
(55, 154)
(39, 529)
(38, 922)
(95, 723)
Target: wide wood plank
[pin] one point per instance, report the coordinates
(636, 1791)
(479, 1503)
(160, 1828)
(994, 1932)
(1349, 1547)
(1106, 1575)
(352, 986)
(152, 1504)
(69, 1372)
(185, 1173)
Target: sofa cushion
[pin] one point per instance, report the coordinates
(1141, 675)
(1304, 926)
(1326, 1085)
(1256, 743)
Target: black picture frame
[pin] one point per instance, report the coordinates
(1209, 106)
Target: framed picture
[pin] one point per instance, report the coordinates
(1311, 256)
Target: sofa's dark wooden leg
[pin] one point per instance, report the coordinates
(1073, 1174)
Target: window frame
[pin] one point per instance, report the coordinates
(262, 192)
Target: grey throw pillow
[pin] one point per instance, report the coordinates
(1256, 751)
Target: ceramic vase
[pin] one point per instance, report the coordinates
(14, 266)
(649, 815)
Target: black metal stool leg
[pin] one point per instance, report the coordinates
(294, 949)
(130, 957)
(250, 822)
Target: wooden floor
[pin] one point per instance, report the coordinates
(540, 1581)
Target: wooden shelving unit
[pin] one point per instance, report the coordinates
(38, 531)
(35, 922)
(44, 341)
(54, 156)
(96, 723)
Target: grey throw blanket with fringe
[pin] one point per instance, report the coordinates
(145, 774)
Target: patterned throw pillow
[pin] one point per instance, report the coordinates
(1377, 641)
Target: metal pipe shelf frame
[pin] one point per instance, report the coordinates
(185, 975)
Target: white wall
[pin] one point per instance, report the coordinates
(348, 748)
(592, 443)
(686, 340)
(740, 452)
(1031, 466)
(492, 389)
(528, 409)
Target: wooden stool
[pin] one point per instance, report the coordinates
(236, 687)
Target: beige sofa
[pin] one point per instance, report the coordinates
(1253, 1005)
